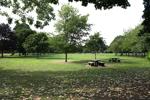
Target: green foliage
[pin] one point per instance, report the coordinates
(22, 32)
(145, 33)
(129, 42)
(96, 43)
(132, 42)
(146, 16)
(72, 26)
(56, 43)
(116, 45)
(36, 43)
(43, 9)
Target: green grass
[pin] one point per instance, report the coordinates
(49, 77)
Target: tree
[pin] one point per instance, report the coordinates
(105, 4)
(7, 39)
(72, 27)
(96, 43)
(116, 45)
(22, 32)
(36, 43)
(145, 33)
(44, 10)
(129, 42)
(132, 42)
(56, 43)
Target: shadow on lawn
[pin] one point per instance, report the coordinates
(106, 61)
(81, 62)
(35, 57)
(89, 84)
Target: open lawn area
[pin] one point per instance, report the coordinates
(50, 78)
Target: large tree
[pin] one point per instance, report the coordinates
(96, 43)
(7, 39)
(72, 27)
(22, 31)
(36, 43)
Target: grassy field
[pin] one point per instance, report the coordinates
(49, 77)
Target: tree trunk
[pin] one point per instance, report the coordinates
(2, 50)
(19, 54)
(66, 57)
(2, 53)
(37, 55)
(95, 55)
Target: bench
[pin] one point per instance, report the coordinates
(114, 60)
(96, 63)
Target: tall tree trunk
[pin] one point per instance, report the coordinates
(95, 55)
(2, 50)
(66, 57)
(2, 53)
(19, 54)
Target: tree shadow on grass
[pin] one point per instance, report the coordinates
(86, 61)
(81, 61)
(88, 84)
(34, 57)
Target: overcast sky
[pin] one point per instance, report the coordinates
(110, 23)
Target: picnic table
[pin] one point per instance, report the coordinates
(96, 63)
(114, 60)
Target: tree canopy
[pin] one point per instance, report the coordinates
(22, 31)
(95, 43)
(116, 45)
(145, 33)
(36, 43)
(105, 4)
(129, 42)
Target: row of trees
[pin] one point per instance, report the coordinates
(131, 41)
(22, 40)
(72, 29)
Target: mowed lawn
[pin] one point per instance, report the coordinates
(49, 77)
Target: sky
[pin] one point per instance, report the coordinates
(110, 23)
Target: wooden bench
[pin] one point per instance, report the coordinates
(114, 60)
(101, 64)
(96, 63)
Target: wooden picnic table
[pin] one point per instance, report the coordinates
(96, 63)
(114, 60)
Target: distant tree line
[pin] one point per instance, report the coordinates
(131, 43)
(22, 40)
